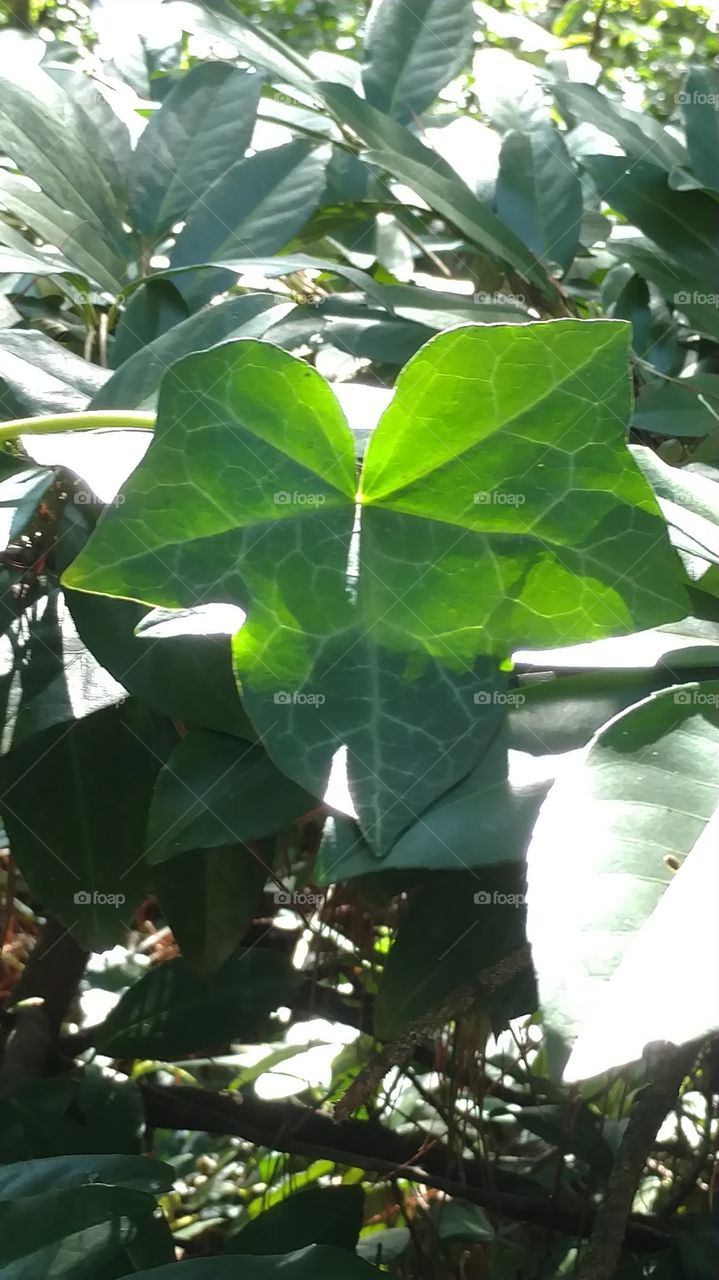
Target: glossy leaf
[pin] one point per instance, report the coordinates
(539, 196)
(634, 804)
(688, 407)
(482, 919)
(683, 223)
(326, 1215)
(638, 133)
(412, 50)
(33, 1177)
(318, 1262)
(698, 100)
(204, 126)
(400, 153)
(214, 790)
(171, 1012)
(37, 375)
(134, 385)
(499, 573)
(151, 310)
(255, 208)
(81, 849)
(19, 496)
(45, 133)
(209, 897)
(63, 1233)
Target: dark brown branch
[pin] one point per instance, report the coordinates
(285, 1126)
(651, 1106)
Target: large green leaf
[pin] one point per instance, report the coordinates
(47, 677)
(172, 1011)
(482, 920)
(37, 375)
(411, 50)
(690, 503)
(74, 1232)
(209, 897)
(686, 291)
(81, 848)
(638, 133)
(653, 995)
(32, 1177)
(78, 241)
(134, 384)
(318, 1215)
(611, 830)
(46, 133)
(82, 1112)
(254, 208)
(701, 121)
(260, 47)
(150, 311)
(539, 196)
(522, 530)
(203, 127)
(682, 223)
(318, 1262)
(400, 153)
(216, 789)
(686, 407)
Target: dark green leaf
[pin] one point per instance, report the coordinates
(318, 1262)
(19, 496)
(71, 1233)
(319, 1215)
(400, 153)
(209, 897)
(37, 375)
(153, 309)
(81, 848)
(682, 223)
(682, 408)
(32, 1177)
(46, 133)
(216, 790)
(203, 127)
(171, 1011)
(255, 208)
(637, 132)
(457, 924)
(135, 384)
(700, 108)
(412, 48)
(539, 196)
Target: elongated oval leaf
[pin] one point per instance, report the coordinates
(605, 843)
(401, 154)
(411, 50)
(701, 119)
(171, 1011)
(318, 1262)
(255, 207)
(203, 127)
(37, 375)
(539, 195)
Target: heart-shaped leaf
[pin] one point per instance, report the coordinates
(498, 506)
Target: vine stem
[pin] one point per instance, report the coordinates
(95, 420)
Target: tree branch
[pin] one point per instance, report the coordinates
(285, 1126)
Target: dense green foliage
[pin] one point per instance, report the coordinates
(359, 472)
